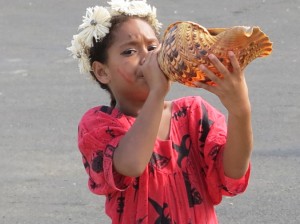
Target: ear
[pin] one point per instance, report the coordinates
(99, 70)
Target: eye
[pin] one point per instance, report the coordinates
(128, 52)
(152, 47)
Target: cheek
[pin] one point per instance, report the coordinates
(127, 72)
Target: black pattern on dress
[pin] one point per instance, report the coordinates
(205, 124)
(136, 185)
(159, 161)
(214, 152)
(97, 162)
(121, 205)
(193, 195)
(180, 113)
(87, 167)
(108, 110)
(110, 132)
(183, 149)
(105, 109)
(141, 220)
(162, 217)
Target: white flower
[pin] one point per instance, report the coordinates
(75, 47)
(95, 24)
(84, 64)
(140, 8)
(135, 8)
(78, 51)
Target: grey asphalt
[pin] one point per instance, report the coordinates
(43, 96)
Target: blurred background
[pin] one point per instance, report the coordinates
(43, 96)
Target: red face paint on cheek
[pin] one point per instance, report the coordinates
(126, 76)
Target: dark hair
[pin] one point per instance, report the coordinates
(98, 51)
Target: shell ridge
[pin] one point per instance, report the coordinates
(186, 44)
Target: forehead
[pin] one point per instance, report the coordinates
(134, 30)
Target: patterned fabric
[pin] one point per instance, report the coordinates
(184, 178)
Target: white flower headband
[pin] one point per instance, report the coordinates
(96, 24)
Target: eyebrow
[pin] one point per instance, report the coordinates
(135, 42)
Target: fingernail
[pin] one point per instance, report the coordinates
(202, 67)
(211, 56)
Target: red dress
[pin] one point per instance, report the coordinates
(184, 178)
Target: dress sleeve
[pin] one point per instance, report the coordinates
(98, 137)
(212, 133)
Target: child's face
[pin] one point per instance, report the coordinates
(132, 42)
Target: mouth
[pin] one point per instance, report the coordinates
(140, 75)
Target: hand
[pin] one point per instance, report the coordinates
(140, 139)
(153, 75)
(231, 89)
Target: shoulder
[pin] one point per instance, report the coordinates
(100, 116)
(99, 126)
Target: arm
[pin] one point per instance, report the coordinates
(239, 145)
(233, 92)
(136, 147)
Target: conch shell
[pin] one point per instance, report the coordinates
(186, 45)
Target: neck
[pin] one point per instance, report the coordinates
(130, 108)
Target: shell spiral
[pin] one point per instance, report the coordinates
(186, 45)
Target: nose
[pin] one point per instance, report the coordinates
(142, 61)
(143, 55)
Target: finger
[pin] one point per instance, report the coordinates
(218, 64)
(157, 49)
(207, 87)
(149, 57)
(234, 62)
(212, 76)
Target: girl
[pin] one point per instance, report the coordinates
(157, 161)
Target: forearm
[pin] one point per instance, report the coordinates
(239, 145)
(136, 147)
